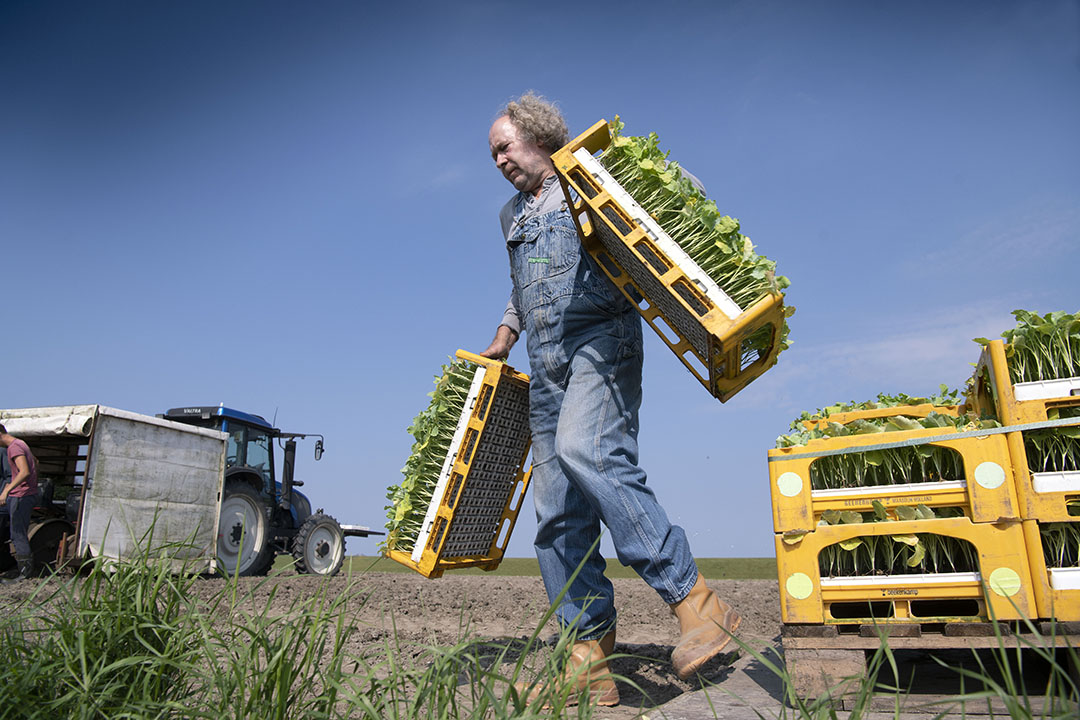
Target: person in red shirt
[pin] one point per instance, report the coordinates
(20, 495)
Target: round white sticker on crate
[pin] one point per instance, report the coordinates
(799, 586)
(789, 484)
(1005, 582)
(990, 475)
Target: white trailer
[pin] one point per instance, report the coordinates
(117, 485)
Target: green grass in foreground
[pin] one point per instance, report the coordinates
(711, 568)
(135, 640)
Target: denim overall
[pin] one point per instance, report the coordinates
(585, 353)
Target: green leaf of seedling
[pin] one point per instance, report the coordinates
(831, 517)
(850, 517)
(881, 514)
(1071, 431)
(917, 555)
(850, 544)
(874, 457)
(922, 512)
(727, 224)
(906, 512)
(902, 423)
(864, 427)
(835, 429)
(937, 420)
(907, 539)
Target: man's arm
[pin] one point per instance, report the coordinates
(510, 328)
(507, 333)
(499, 348)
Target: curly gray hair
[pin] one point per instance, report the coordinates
(538, 120)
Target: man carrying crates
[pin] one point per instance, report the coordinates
(585, 354)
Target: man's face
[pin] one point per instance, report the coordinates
(525, 164)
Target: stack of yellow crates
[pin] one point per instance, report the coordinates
(1044, 497)
(984, 500)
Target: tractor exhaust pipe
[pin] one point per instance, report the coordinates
(285, 501)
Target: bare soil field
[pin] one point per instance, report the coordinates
(448, 610)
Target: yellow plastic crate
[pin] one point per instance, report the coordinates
(1057, 590)
(1043, 496)
(987, 491)
(1025, 407)
(995, 394)
(1001, 589)
(483, 481)
(709, 333)
(917, 411)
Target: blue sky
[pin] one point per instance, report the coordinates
(291, 207)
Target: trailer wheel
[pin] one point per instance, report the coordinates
(45, 538)
(319, 546)
(243, 546)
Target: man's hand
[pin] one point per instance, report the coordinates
(500, 346)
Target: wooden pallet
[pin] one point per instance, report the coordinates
(828, 661)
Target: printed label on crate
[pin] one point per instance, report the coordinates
(889, 494)
(901, 500)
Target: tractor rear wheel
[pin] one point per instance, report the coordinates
(319, 546)
(243, 546)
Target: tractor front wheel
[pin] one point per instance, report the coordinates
(243, 546)
(319, 546)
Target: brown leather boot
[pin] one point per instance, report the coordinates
(587, 671)
(703, 619)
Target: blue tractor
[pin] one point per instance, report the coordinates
(262, 512)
